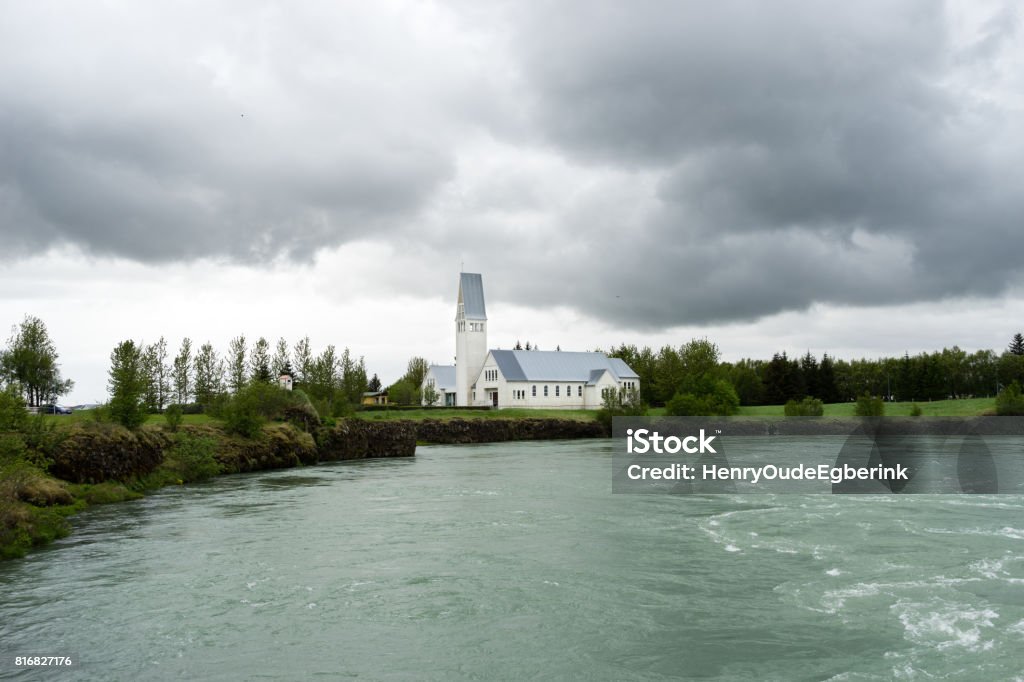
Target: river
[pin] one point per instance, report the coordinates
(515, 561)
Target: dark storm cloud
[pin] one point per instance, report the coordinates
(217, 129)
(806, 152)
(651, 163)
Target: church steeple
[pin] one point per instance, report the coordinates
(470, 335)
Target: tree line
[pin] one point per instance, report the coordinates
(938, 375)
(201, 376)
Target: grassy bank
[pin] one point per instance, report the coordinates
(968, 407)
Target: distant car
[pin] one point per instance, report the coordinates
(53, 409)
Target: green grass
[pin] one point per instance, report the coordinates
(970, 407)
(455, 413)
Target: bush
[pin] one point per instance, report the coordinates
(808, 407)
(42, 438)
(720, 401)
(193, 458)
(869, 406)
(915, 410)
(1010, 402)
(173, 415)
(251, 408)
(13, 414)
(619, 404)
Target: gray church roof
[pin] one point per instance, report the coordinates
(535, 365)
(471, 286)
(444, 375)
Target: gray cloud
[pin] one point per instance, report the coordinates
(805, 153)
(653, 163)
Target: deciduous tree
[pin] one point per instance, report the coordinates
(127, 384)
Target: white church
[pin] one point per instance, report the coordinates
(518, 378)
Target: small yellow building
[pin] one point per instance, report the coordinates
(375, 398)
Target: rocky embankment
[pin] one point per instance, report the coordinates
(93, 453)
(459, 431)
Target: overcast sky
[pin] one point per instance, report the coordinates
(833, 177)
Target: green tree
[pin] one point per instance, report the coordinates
(374, 384)
(237, 373)
(127, 385)
(158, 375)
(322, 381)
(430, 396)
(30, 363)
(415, 371)
(746, 379)
(183, 372)
(1010, 402)
(259, 361)
(282, 362)
(1017, 344)
(403, 392)
(353, 377)
(720, 400)
(209, 375)
(303, 360)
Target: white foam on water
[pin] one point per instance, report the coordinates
(732, 548)
(833, 572)
(946, 626)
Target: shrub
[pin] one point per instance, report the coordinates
(42, 438)
(13, 414)
(251, 408)
(915, 410)
(719, 400)
(869, 406)
(173, 415)
(615, 403)
(193, 458)
(1010, 402)
(808, 407)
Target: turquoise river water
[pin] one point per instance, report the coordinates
(515, 561)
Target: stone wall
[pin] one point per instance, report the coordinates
(359, 439)
(93, 452)
(452, 431)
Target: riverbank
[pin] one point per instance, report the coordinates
(46, 479)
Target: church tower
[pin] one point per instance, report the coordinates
(470, 336)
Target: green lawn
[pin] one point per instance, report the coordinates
(940, 408)
(972, 407)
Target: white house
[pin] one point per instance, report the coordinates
(550, 379)
(442, 379)
(519, 378)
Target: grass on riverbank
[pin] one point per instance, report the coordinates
(967, 407)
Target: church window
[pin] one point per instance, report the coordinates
(568, 391)
(581, 390)
(545, 391)
(534, 391)
(556, 391)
